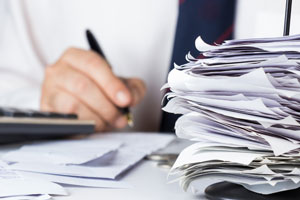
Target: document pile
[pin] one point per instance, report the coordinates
(93, 162)
(241, 101)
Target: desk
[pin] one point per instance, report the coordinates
(149, 182)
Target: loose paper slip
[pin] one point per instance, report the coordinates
(241, 103)
(64, 152)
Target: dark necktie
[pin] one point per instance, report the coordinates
(212, 20)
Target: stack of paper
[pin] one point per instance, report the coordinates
(93, 162)
(241, 101)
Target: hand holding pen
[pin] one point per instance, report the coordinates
(82, 82)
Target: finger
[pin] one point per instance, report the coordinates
(137, 88)
(84, 89)
(60, 101)
(98, 69)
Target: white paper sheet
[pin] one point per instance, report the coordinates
(63, 152)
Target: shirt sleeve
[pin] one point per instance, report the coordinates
(21, 73)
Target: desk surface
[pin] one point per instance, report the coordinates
(149, 181)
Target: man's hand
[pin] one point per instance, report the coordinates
(82, 82)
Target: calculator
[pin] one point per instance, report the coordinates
(24, 124)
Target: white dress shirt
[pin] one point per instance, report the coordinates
(136, 35)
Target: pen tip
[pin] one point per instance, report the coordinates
(130, 120)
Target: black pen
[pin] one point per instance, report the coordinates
(94, 45)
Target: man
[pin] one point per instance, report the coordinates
(45, 62)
